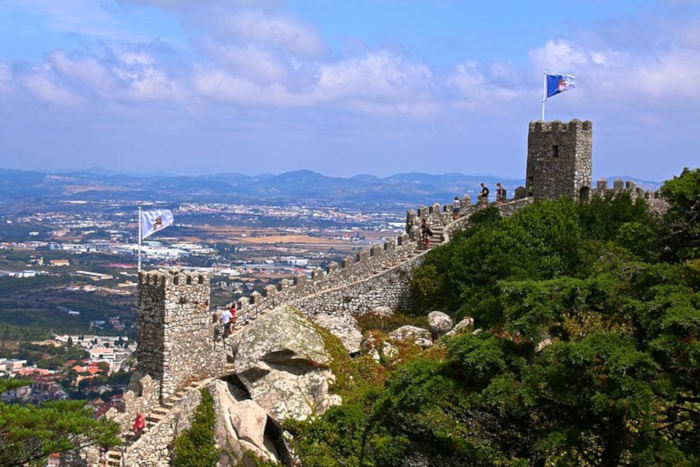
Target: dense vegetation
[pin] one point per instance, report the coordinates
(195, 447)
(31, 433)
(589, 354)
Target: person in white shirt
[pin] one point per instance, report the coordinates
(226, 317)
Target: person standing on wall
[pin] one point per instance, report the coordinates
(425, 233)
(484, 196)
(455, 208)
(500, 193)
(225, 319)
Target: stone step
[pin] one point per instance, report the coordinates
(154, 418)
(160, 411)
(114, 455)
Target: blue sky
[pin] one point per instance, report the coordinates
(361, 86)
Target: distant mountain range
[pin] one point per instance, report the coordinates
(298, 187)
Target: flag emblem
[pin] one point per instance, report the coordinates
(559, 83)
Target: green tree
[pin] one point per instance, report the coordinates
(588, 355)
(31, 433)
(682, 240)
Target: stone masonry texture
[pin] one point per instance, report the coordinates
(559, 159)
(176, 331)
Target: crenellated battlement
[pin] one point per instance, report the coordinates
(365, 262)
(653, 198)
(163, 277)
(561, 127)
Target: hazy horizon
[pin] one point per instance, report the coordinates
(110, 172)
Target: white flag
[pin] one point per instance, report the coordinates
(153, 221)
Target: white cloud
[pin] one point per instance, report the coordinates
(477, 91)
(144, 80)
(560, 56)
(379, 75)
(87, 70)
(39, 84)
(250, 60)
(276, 31)
(378, 82)
(673, 73)
(221, 86)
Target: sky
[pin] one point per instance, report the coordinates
(343, 87)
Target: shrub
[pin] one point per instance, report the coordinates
(195, 447)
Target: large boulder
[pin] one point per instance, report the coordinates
(409, 333)
(241, 424)
(283, 363)
(382, 311)
(424, 343)
(439, 323)
(249, 420)
(467, 324)
(344, 327)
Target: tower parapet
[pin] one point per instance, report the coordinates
(559, 159)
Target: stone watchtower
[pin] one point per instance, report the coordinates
(175, 329)
(559, 159)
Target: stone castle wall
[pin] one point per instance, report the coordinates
(153, 448)
(378, 276)
(559, 159)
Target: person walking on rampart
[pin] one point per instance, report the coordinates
(226, 317)
(426, 233)
(246, 317)
(139, 425)
(500, 193)
(484, 196)
(455, 208)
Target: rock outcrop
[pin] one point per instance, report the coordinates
(419, 336)
(282, 361)
(467, 324)
(241, 424)
(409, 333)
(439, 323)
(344, 327)
(382, 311)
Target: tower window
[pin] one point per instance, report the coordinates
(555, 150)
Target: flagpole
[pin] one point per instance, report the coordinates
(139, 253)
(544, 93)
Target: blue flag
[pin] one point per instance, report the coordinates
(559, 83)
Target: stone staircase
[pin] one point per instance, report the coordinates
(114, 455)
(438, 238)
